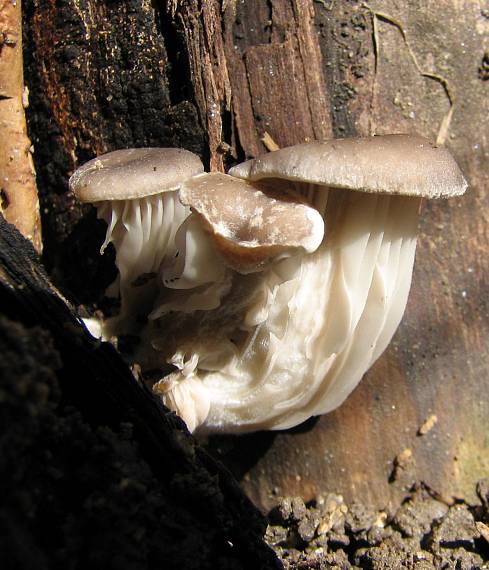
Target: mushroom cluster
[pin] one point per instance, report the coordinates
(275, 287)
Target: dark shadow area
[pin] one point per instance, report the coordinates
(240, 453)
(94, 473)
(86, 274)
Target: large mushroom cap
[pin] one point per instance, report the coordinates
(134, 173)
(252, 223)
(390, 164)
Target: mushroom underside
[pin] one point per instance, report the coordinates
(303, 331)
(143, 233)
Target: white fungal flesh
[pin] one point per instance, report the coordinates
(195, 262)
(195, 278)
(315, 325)
(202, 298)
(183, 392)
(143, 233)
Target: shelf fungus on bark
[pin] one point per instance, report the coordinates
(268, 321)
(136, 193)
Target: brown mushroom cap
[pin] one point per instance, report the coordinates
(251, 223)
(133, 173)
(390, 164)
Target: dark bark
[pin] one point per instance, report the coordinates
(93, 473)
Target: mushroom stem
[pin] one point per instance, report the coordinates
(311, 331)
(370, 296)
(143, 233)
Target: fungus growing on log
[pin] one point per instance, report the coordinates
(298, 336)
(276, 323)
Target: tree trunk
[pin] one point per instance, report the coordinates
(94, 474)
(216, 78)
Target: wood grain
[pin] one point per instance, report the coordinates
(18, 191)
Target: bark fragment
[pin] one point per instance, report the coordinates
(18, 192)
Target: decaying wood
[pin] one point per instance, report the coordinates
(201, 29)
(93, 383)
(216, 77)
(18, 192)
(280, 75)
(276, 87)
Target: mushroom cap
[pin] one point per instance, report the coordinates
(252, 223)
(391, 164)
(133, 173)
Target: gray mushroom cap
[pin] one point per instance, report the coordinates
(134, 173)
(391, 164)
(251, 224)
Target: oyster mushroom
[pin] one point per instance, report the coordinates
(234, 225)
(252, 224)
(293, 339)
(135, 192)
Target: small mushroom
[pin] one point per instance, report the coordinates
(252, 225)
(136, 193)
(238, 225)
(294, 338)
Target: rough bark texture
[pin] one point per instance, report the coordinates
(18, 192)
(93, 473)
(215, 77)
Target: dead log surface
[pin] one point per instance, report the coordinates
(93, 473)
(214, 77)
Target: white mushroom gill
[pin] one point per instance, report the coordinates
(195, 261)
(194, 277)
(136, 193)
(143, 233)
(312, 324)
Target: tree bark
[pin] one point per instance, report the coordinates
(94, 473)
(216, 77)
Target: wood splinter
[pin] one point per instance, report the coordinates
(18, 192)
